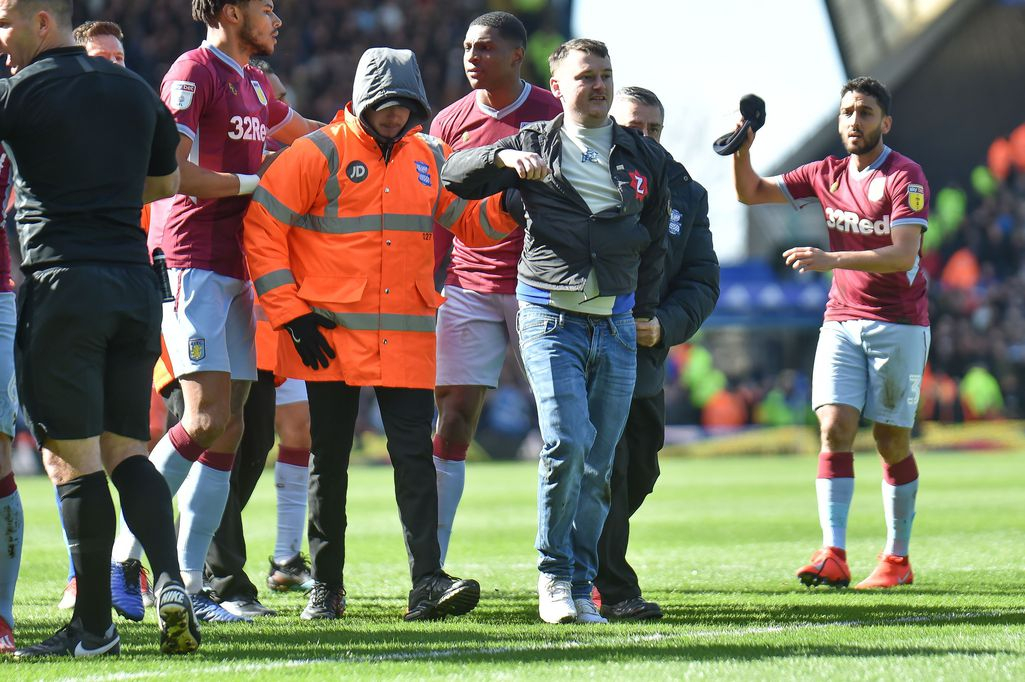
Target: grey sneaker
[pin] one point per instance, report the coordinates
(587, 612)
(247, 607)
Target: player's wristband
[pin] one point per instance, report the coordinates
(247, 183)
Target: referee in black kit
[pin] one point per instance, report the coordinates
(90, 142)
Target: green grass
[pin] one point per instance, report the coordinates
(716, 544)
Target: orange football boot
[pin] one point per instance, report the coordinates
(828, 566)
(892, 571)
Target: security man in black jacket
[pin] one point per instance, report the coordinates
(597, 202)
(687, 297)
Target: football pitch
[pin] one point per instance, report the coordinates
(716, 545)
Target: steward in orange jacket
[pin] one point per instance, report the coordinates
(340, 226)
(338, 239)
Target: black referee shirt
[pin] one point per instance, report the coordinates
(82, 134)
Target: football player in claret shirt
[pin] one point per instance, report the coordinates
(224, 110)
(874, 341)
(478, 321)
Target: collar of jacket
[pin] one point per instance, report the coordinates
(347, 118)
(621, 136)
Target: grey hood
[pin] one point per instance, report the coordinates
(385, 74)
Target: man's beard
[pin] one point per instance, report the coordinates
(868, 141)
(249, 40)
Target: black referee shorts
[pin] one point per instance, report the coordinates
(88, 338)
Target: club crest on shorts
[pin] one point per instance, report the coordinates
(182, 93)
(916, 197)
(259, 92)
(197, 349)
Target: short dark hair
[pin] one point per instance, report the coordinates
(869, 86)
(585, 45)
(207, 11)
(83, 33)
(507, 25)
(60, 9)
(642, 96)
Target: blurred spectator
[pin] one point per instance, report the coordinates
(980, 395)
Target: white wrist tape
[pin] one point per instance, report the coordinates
(247, 183)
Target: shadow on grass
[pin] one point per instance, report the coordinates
(508, 631)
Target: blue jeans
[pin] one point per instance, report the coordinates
(582, 371)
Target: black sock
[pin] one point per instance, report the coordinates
(146, 505)
(88, 513)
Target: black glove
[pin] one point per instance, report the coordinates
(313, 348)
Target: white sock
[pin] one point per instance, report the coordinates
(174, 468)
(170, 463)
(292, 485)
(201, 501)
(834, 498)
(899, 509)
(126, 545)
(451, 475)
(12, 533)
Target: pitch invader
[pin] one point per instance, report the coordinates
(875, 339)
(478, 320)
(224, 111)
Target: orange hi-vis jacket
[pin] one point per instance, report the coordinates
(335, 229)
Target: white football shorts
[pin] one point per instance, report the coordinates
(210, 325)
(875, 367)
(8, 381)
(292, 391)
(474, 331)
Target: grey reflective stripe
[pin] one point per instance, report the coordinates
(332, 188)
(368, 223)
(386, 322)
(273, 280)
(439, 161)
(451, 214)
(486, 224)
(277, 210)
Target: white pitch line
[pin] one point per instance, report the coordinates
(570, 644)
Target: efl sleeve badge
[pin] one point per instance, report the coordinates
(181, 94)
(916, 197)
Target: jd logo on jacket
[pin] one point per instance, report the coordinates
(357, 171)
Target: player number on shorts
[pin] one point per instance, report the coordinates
(916, 388)
(247, 128)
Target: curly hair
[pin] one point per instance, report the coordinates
(207, 11)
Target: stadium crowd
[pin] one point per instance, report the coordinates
(321, 41)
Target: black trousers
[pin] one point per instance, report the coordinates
(634, 473)
(226, 558)
(407, 414)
